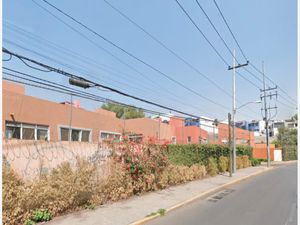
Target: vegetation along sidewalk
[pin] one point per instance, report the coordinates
(138, 209)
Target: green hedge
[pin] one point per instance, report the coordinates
(244, 150)
(190, 154)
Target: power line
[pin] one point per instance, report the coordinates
(94, 84)
(201, 32)
(52, 86)
(230, 30)
(245, 78)
(259, 71)
(66, 90)
(224, 42)
(283, 103)
(84, 70)
(197, 27)
(135, 57)
(166, 47)
(216, 30)
(214, 27)
(89, 74)
(103, 49)
(273, 82)
(169, 50)
(69, 52)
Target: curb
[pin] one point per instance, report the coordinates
(142, 221)
(280, 163)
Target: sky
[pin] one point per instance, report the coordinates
(265, 30)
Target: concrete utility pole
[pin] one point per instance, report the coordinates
(229, 144)
(233, 68)
(266, 109)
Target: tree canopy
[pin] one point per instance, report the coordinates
(123, 111)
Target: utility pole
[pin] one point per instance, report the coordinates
(229, 144)
(267, 111)
(233, 68)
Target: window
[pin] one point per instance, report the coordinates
(189, 139)
(26, 131)
(77, 134)
(64, 134)
(135, 137)
(110, 136)
(12, 131)
(42, 133)
(85, 136)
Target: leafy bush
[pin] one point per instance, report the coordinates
(29, 222)
(244, 150)
(212, 169)
(144, 163)
(223, 164)
(161, 212)
(41, 215)
(255, 162)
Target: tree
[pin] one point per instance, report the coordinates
(287, 140)
(125, 112)
(295, 117)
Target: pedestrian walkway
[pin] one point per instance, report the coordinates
(137, 208)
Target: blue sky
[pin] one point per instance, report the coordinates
(266, 31)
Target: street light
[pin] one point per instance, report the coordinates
(258, 101)
(234, 134)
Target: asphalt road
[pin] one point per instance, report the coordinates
(267, 199)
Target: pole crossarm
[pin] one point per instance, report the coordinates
(238, 66)
(269, 89)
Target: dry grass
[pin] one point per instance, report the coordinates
(223, 165)
(177, 174)
(242, 162)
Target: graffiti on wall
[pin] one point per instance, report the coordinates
(32, 158)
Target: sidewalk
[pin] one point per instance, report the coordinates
(135, 209)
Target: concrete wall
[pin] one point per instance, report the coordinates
(32, 158)
(260, 151)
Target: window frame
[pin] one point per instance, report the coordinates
(108, 132)
(23, 125)
(75, 128)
